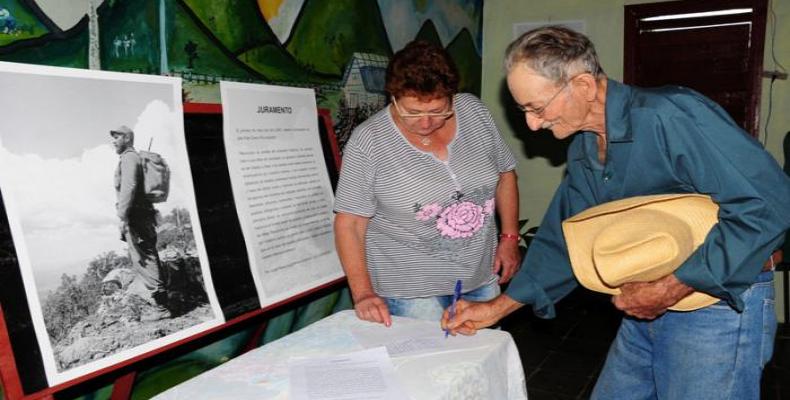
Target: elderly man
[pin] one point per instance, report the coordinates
(629, 142)
(138, 220)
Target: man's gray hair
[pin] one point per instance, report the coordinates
(554, 52)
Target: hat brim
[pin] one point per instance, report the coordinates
(580, 234)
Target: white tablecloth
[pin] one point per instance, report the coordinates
(489, 369)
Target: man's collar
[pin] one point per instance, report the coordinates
(618, 126)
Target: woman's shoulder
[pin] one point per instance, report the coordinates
(371, 129)
(469, 104)
(467, 99)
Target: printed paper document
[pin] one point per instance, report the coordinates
(362, 375)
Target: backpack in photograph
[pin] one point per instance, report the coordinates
(156, 176)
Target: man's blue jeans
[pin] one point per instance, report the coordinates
(431, 308)
(711, 353)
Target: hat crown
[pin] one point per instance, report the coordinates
(639, 239)
(122, 130)
(641, 246)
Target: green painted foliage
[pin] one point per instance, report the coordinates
(162, 378)
(19, 24)
(129, 36)
(462, 50)
(316, 310)
(238, 24)
(101, 394)
(69, 52)
(206, 56)
(302, 316)
(273, 62)
(327, 33)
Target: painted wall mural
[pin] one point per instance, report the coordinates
(340, 48)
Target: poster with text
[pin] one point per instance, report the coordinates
(111, 254)
(280, 186)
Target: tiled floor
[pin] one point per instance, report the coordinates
(563, 356)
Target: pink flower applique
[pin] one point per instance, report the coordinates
(488, 207)
(428, 211)
(460, 220)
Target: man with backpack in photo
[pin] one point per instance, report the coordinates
(138, 219)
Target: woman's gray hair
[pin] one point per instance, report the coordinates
(554, 52)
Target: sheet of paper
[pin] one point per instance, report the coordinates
(280, 186)
(408, 337)
(363, 375)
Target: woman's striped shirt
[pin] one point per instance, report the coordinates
(431, 222)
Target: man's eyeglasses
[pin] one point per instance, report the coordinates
(402, 114)
(538, 112)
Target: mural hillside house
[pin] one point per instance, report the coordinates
(363, 81)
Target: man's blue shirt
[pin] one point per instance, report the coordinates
(666, 140)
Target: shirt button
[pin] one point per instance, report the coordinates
(607, 176)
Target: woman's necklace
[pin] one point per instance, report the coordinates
(425, 140)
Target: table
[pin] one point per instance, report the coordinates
(491, 369)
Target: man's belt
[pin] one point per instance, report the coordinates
(776, 258)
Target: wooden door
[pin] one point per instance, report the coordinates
(720, 56)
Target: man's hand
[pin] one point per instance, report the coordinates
(507, 260)
(648, 300)
(373, 308)
(471, 316)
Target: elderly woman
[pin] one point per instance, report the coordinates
(420, 185)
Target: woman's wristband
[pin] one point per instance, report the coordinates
(509, 236)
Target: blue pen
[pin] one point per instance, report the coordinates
(456, 297)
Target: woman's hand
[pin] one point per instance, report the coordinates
(372, 308)
(350, 243)
(507, 260)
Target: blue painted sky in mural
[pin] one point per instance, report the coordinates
(65, 16)
(403, 19)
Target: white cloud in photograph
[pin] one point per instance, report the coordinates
(67, 205)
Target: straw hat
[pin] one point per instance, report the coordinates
(639, 239)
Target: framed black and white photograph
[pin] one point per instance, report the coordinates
(96, 184)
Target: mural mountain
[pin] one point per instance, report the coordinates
(428, 33)
(208, 40)
(357, 27)
(462, 50)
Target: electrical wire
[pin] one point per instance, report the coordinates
(779, 68)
